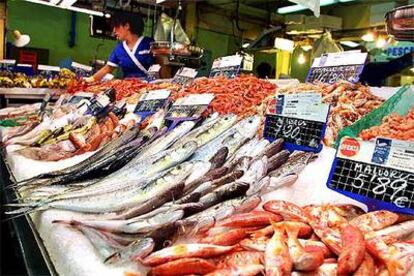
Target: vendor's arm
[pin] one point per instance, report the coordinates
(107, 69)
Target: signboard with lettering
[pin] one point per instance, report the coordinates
(185, 75)
(300, 119)
(150, 102)
(379, 174)
(332, 67)
(228, 67)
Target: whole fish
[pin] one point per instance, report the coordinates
(184, 266)
(105, 247)
(273, 148)
(185, 251)
(135, 251)
(277, 160)
(233, 138)
(256, 171)
(210, 130)
(242, 270)
(277, 259)
(276, 183)
(168, 139)
(223, 193)
(126, 226)
(295, 164)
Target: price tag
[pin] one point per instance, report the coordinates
(41, 67)
(152, 101)
(7, 64)
(185, 75)
(226, 66)
(153, 72)
(99, 104)
(379, 174)
(80, 96)
(191, 106)
(81, 70)
(300, 119)
(337, 66)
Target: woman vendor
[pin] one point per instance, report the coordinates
(132, 55)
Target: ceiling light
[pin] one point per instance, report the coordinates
(301, 58)
(69, 7)
(20, 40)
(295, 8)
(349, 43)
(306, 47)
(368, 37)
(245, 45)
(381, 42)
(82, 10)
(412, 69)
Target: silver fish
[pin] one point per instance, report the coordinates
(128, 226)
(136, 251)
(233, 138)
(295, 164)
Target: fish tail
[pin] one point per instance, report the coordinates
(24, 210)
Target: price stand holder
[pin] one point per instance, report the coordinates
(330, 68)
(7, 65)
(189, 108)
(185, 75)
(152, 101)
(300, 119)
(48, 71)
(379, 174)
(228, 67)
(82, 70)
(153, 72)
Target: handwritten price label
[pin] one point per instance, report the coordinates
(371, 175)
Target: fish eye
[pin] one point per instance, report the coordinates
(167, 243)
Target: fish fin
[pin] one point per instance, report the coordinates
(113, 258)
(277, 226)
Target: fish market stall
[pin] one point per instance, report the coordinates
(118, 188)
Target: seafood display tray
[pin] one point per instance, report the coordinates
(36, 258)
(25, 93)
(80, 258)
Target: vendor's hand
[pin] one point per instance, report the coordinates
(89, 79)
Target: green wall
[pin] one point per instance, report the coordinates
(49, 28)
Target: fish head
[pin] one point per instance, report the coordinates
(184, 151)
(248, 127)
(182, 169)
(157, 119)
(228, 120)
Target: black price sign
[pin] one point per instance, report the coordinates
(332, 67)
(191, 106)
(295, 131)
(372, 173)
(376, 182)
(152, 101)
(185, 75)
(332, 74)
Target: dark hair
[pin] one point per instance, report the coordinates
(264, 70)
(135, 21)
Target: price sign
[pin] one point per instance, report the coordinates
(185, 75)
(379, 174)
(79, 97)
(48, 71)
(300, 119)
(191, 106)
(152, 101)
(81, 70)
(153, 72)
(7, 64)
(228, 67)
(337, 66)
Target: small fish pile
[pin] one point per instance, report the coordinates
(349, 103)
(241, 96)
(393, 126)
(285, 239)
(172, 183)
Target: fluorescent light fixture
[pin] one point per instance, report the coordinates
(306, 47)
(82, 10)
(71, 8)
(295, 8)
(284, 44)
(67, 3)
(349, 43)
